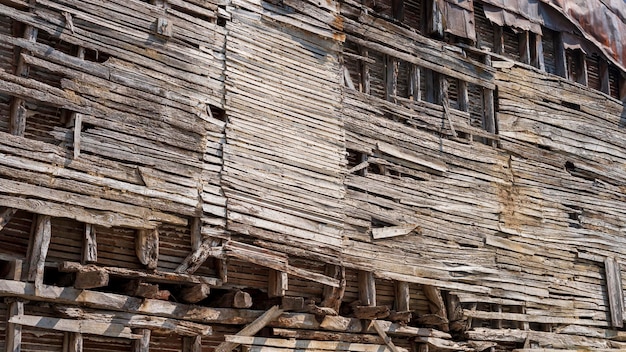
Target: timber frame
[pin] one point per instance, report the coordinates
(299, 175)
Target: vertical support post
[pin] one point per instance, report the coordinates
(196, 233)
(17, 113)
(581, 68)
(41, 242)
(433, 86)
(147, 247)
(524, 47)
(414, 83)
(277, 283)
(615, 291)
(403, 296)
(90, 245)
(559, 55)
(72, 342)
(432, 18)
(489, 118)
(334, 295)
(367, 288)
(397, 9)
(537, 58)
(142, 344)
(603, 73)
(13, 342)
(365, 71)
(498, 39)
(192, 344)
(391, 78)
(622, 88)
(463, 98)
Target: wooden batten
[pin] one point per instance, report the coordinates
(147, 247)
(391, 77)
(615, 291)
(367, 288)
(39, 249)
(90, 245)
(17, 114)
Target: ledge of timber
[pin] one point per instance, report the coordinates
(153, 276)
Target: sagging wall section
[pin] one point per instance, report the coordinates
(337, 175)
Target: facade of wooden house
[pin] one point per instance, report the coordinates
(312, 175)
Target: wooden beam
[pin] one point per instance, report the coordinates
(252, 328)
(234, 299)
(78, 125)
(39, 249)
(195, 293)
(603, 75)
(332, 296)
(328, 336)
(5, 216)
(152, 276)
(524, 47)
(208, 248)
(367, 288)
(498, 39)
(77, 326)
(135, 321)
(192, 344)
(142, 344)
(414, 81)
(91, 279)
(582, 76)
(196, 233)
(381, 332)
(17, 113)
(391, 78)
(72, 342)
(614, 291)
(365, 71)
(436, 304)
(537, 57)
(277, 283)
(463, 95)
(560, 61)
(403, 296)
(13, 336)
(90, 245)
(300, 345)
(147, 247)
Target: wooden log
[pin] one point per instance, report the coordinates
(371, 312)
(234, 299)
(437, 306)
(367, 288)
(195, 293)
(208, 248)
(391, 77)
(192, 344)
(13, 333)
(76, 326)
(90, 245)
(333, 296)
(142, 344)
(153, 276)
(381, 332)
(615, 291)
(291, 303)
(305, 344)
(147, 247)
(72, 342)
(277, 283)
(141, 289)
(39, 249)
(403, 296)
(251, 328)
(91, 279)
(5, 216)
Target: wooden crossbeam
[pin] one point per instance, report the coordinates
(77, 326)
(252, 328)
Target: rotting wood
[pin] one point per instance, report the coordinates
(307, 344)
(142, 344)
(195, 293)
(277, 283)
(234, 299)
(251, 328)
(39, 249)
(147, 247)
(68, 325)
(91, 279)
(90, 245)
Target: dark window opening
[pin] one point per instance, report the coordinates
(511, 44)
(485, 33)
(95, 56)
(593, 72)
(413, 14)
(217, 113)
(549, 52)
(378, 223)
(572, 106)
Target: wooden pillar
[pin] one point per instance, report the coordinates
(334, 295)
(192, 344)
(367, 288)
(196, 233)
(622, 88)
(489, 113)
(414, 88)
(603, 74)
(391, 78)
(277, 283)
(17, 113)
(72, 342)
(13, 339)
(90, 245)
(463, 95)
(537, 58)
(364, 85)
(614, 291)
(142, 344)
(434, 86)
(147, 247)
(524, 47)
(581, 67)
(432, 18)
(559, 55)
(39, 249)
(403, 296)
(498, 39)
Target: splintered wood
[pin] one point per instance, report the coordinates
(300, 175)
